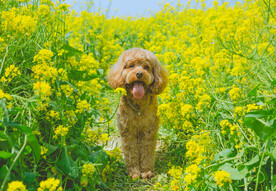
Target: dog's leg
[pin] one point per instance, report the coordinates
(131, 155)
(147, 153)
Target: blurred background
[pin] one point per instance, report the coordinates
(137, 8)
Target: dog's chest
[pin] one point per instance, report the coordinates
(129, 119)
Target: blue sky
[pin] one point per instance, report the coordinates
(132, 7)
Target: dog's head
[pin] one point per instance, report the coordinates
(138, 70)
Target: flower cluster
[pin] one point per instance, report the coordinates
(61, 131)
(16, 186)
(88, 169)
(221, 177)
(11, 72)
(50, 184)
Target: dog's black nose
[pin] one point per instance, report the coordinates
(139, 74)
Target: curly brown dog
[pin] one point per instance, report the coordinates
(143, 77)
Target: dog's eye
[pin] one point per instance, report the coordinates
(146, 67)
(131, 66)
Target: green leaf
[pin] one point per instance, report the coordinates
(81, 75)
(3, 172)
(23, 128)
(51, 148)
(4, 115)
(74, 89)
(235, 174)
(226, 153)
(260, 128)
(29, 177)
(80, 152)
(70, 50)
(67, 165)
(273, 153)
(32, 141)
(274, 182)
(253, 161)
(260, 114)
(253, 92)
(68, 35)
(5, 155)
(272, 101)
(99, 157)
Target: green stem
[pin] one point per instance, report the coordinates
(2, 64)
(112, 114)
(13, 163)
(260, 166)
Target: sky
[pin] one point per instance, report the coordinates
(138, 8)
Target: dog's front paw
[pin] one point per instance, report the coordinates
(135, 175)
(148, 174)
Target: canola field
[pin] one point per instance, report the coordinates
(57, 113)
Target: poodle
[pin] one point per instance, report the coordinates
(139, 72)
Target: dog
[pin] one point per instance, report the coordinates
(139, 72)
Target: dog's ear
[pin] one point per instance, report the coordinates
(160, 78)
(114, 76)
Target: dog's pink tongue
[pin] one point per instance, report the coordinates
(138, 90)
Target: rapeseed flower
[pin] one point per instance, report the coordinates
(221, 177)
(42, 88)
(16, 186)
(235, 93)
(192, 173)
(61, 131)
(82, 106)
(121, 90)
(174, 185)
(50, 184)
(4, 95)
(44, 56)
(175, 172)
(88, 169)
(43, 152)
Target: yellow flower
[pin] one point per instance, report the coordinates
(16, 186)
(4, 95)
(121, 90)
(104, 137)
(67, 89)
(82, 106)
(10, 73)
(44, 72)
(174, 185)
(42, 89)
(88, 169)
(61, 131)
(204, 101)
(199, 148)
(192, 172)
(43, 10)
(43, 57)
(251, 107)
(114, 153)
(50, 184)
(221, 177)
(157, 185)
(175, 172)
(235, 93)
(16, 23)
(43, 152)
(186, 110)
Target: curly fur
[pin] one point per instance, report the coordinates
(138, 132)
